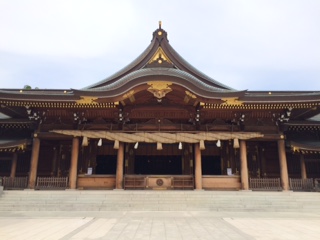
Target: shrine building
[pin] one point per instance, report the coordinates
(159, 123)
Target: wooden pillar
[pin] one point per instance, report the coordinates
(119, 172)
(303, 167)
(244, 166)
(283, 165)
(74, 163)
(197, 167)
(34, 162)
(14, 165)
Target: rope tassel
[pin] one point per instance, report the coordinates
(159, 146)
(116, 144)
(202, 146)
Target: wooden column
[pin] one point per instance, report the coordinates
(74, 163)
(283, 165)
(119, 172)
(244, 166)
(14, 165)
(197, 167)
(34, 162)
(303, 167)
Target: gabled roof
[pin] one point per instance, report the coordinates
(160, 54)
(160, 70)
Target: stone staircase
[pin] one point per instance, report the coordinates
(118, 200)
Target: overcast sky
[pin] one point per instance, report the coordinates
(249, 44)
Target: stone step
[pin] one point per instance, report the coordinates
(158, 201)
(172, 194)
(226, 203)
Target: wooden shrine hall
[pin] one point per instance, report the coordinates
(159, 123)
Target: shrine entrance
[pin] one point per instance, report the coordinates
(171, 159)
(169, 167)
(106, 164)
(211, 165)
(159, 165)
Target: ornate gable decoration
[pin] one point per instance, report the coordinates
(159, 89)
(159, 56)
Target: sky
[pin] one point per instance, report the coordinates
(245, 44)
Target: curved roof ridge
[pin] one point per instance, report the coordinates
(195, 70)
(159, 71)
(125, 69)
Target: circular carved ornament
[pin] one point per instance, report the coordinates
(159, 182)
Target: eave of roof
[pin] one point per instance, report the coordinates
(177, 76)
(147, 75)
(14, 144)
(303, 123)
(313, 146)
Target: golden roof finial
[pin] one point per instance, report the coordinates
(160, 23)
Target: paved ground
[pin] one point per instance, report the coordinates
(159, 225)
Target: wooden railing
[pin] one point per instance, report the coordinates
(134, 182)
(266, 184)
(298, 184)
(51, 183)
(13, 183)
(183, 182)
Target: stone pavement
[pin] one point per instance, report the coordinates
(116, 225)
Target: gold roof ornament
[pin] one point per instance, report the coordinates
(190, 94)
(159, 55)
(159, 89)
(231, 101)
(130, 95)
(87, 100)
